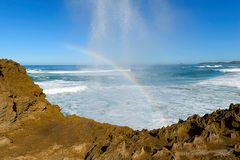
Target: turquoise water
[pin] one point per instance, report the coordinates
(162, 95)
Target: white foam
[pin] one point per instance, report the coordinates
(33, 71)
(78, 72)
(54, 83)
(225, 80)
(60, 86)
(66, 90)
(230, 70)
(210, 66)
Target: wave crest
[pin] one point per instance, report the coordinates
(230, 70)
(210, 66)
(65, 90)
(61, 86)
(77, 72)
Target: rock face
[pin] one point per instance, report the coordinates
(32, 128)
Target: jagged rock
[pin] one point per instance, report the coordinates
(32, 128)
(163, 154)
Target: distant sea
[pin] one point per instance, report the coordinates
(146, 96)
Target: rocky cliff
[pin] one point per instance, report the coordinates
(32, 128)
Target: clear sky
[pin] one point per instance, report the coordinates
(125, 31)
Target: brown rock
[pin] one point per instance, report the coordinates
(4, 141)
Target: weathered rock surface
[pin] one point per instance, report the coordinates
(32, 128)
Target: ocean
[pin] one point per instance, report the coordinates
(140, 96)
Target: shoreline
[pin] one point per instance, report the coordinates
(32, 128)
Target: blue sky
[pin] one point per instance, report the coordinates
(126, 31)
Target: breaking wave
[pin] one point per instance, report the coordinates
(65, 90)
(225, 80)
(210, 66)
(230, 70)
(35, 71)
(60, 87)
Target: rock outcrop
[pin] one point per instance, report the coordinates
(32, 128)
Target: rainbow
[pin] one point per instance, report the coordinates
(151, 100)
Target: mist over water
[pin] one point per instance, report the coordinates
(121, 32)
(114, 25)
